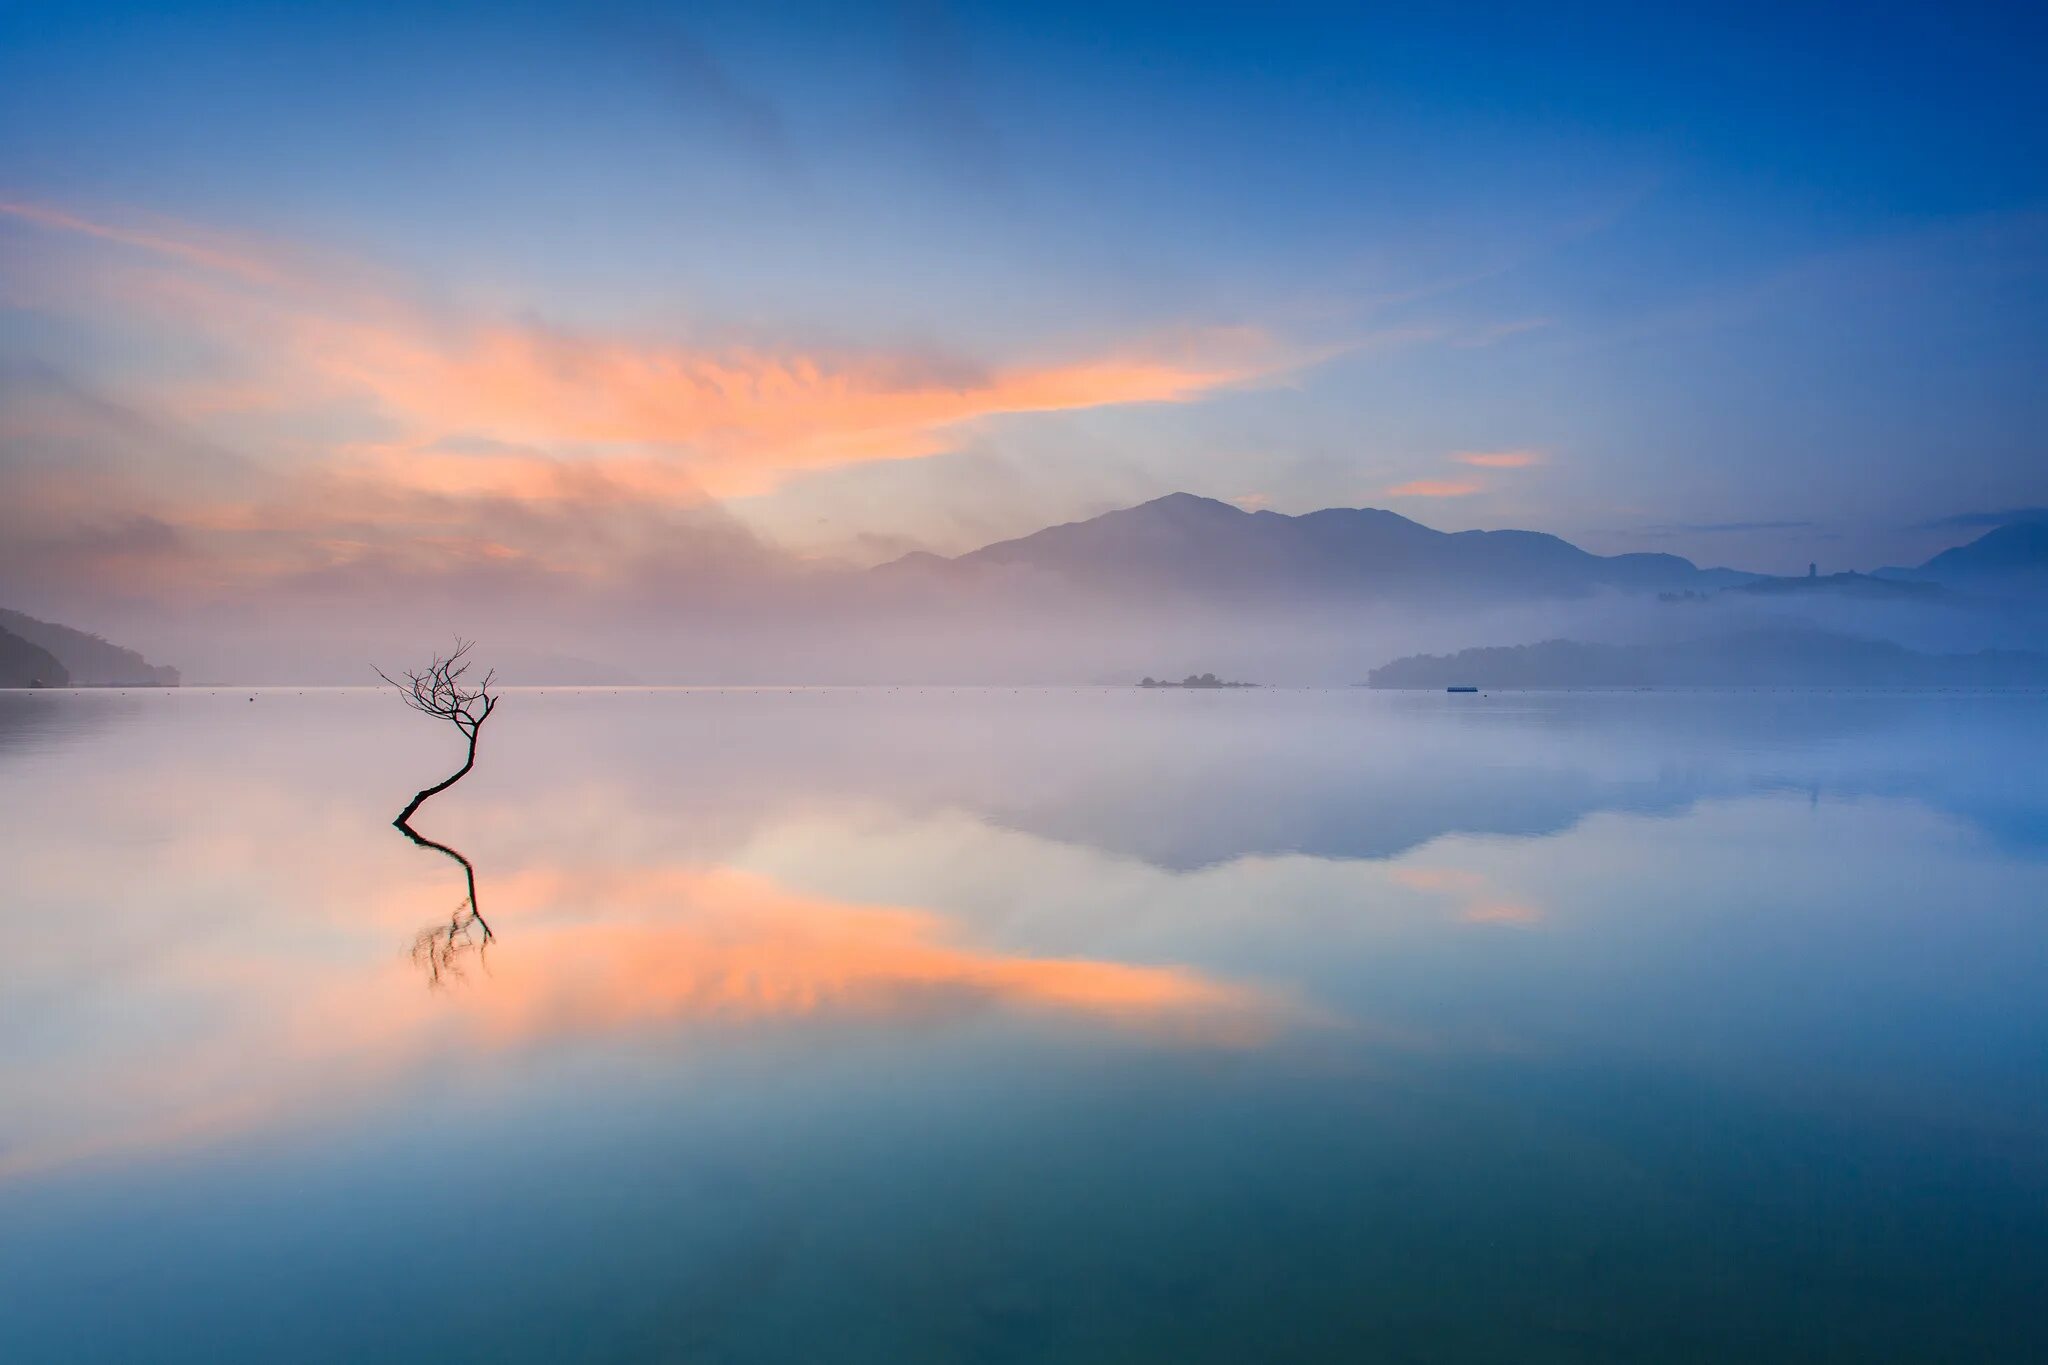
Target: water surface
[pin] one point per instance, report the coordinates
(923, 1024)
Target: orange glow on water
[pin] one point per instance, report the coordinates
(681, 944)
(589, 953)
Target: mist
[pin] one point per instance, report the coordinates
(843, 628)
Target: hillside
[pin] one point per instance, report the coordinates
(90, 660)
(24, 664)
(2013, 557)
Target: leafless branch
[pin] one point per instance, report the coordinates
(440, 690)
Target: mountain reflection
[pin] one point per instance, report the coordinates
(840, 865)
(1169, 780)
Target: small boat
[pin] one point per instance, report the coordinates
(1461, 689)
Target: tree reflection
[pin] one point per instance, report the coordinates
(440, 691)
(443, 950)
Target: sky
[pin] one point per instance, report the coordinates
(303, 301)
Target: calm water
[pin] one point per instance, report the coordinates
(935, 1025)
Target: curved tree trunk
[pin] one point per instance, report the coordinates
(405, 816)
(468, 871)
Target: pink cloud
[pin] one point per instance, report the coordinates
(591, 430)
(1438, 879)
(739, 419)
(178, 242)
(1479, 901)
(1502, 912)
(1435, 488)
(1499, 459)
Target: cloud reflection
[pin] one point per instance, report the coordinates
(687, 943)
(580, 953)
(1478, 900)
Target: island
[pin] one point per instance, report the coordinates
(1196, 680)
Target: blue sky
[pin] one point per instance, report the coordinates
(287, 288)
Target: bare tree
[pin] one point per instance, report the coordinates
(440, 691)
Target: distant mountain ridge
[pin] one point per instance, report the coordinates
(90, 660)
(1185, 543)
(1781, 657)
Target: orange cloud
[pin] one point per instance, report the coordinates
(1435, 488)
(736, 422)
(1502, 912)
(399, 438)
(180, 243)
(1499, 459)
(1480, 904)
(1438, 879)
(728, 421)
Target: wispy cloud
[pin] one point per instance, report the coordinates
(701, 88)
(390, 422)
(1502, 912)
(1435, 488)
(1499, 459)
(1963, 521)
(1478, 900)
(738, 418)
(177, 241)
(1467, 485)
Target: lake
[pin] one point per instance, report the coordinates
(900, 1025)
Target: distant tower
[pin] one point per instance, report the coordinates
(1813, 571)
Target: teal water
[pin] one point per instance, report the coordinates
(978, 1025)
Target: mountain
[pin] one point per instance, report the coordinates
(1186, 544)
(2019, 549)
(1784, 657)
(90, 660)
(23, 664)
(2013, 556)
